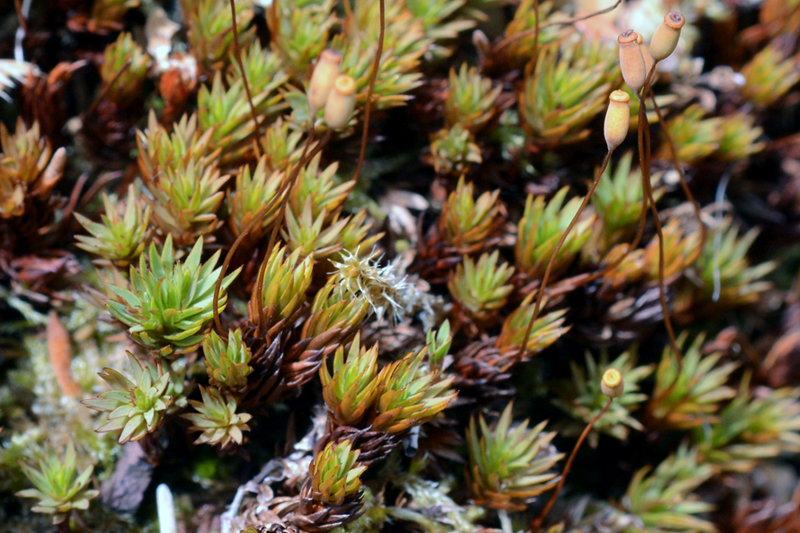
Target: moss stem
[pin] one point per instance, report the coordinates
(536, 523)
(368, 105)
(551, 262)
(686, 190)
(535, 31)
(238, 53)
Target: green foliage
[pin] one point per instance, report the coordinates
(723, 264)
(135, 405)
(481, 289)
(118, 239)
(335, 474)
(124, 70)
(255, 196)
(473, 142)
(160, 149)
(181, 173)
(209, 25)
(187, 198)
(355, 236)
(281, 146)
(227, 363)
(332, 313)
(545, 331)
(688, 394)
(300, 31)
(754, 425)
(662, 500)
(520, 51)
(540, 229)
(320, 189)
(350, 389)
(264, 69)
(59, 487)
(695, 137)
(465, 221)
(768, 76)
(617, 199)
(439, 343)
(306, 234)
(217, 419)
(583, 398)
(226, 113)
(739, 138)
(569, 88)
(410, 395)
(286, 278)
(508, 466)
(453, 150)
(23, 163)
(440, 22)
(404, 44)
(169, 303)
(471, 99)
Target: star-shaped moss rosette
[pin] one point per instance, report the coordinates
(208, 25)
(225, 111)
(618, 202)
(662, 499)
(410, 395)
(285, 280)
(466, 221)
(769, 76)
(350, 387)
(117, 239)
(307, 234)
(136, 404)
(186, 197)
(59, 487)
(254, 190)
(454, 151)
(758, 423)
(335, 473)
(24, 165)
(689, 393)
(320, 188)
(723, 275)
(124, 70)
(519, 50)
(227, 363)
(568, 89)
(480, 289)
(510, 466)
(169, 303)
(217, 420)
(541, 227)
(583, 397)
(695, 137)
(545, 331)
(470, 99)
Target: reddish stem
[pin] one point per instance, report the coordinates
(551, 262)
(376, 63)
(686, 190)
(238, 54)
(536, 523)
(535, 31)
